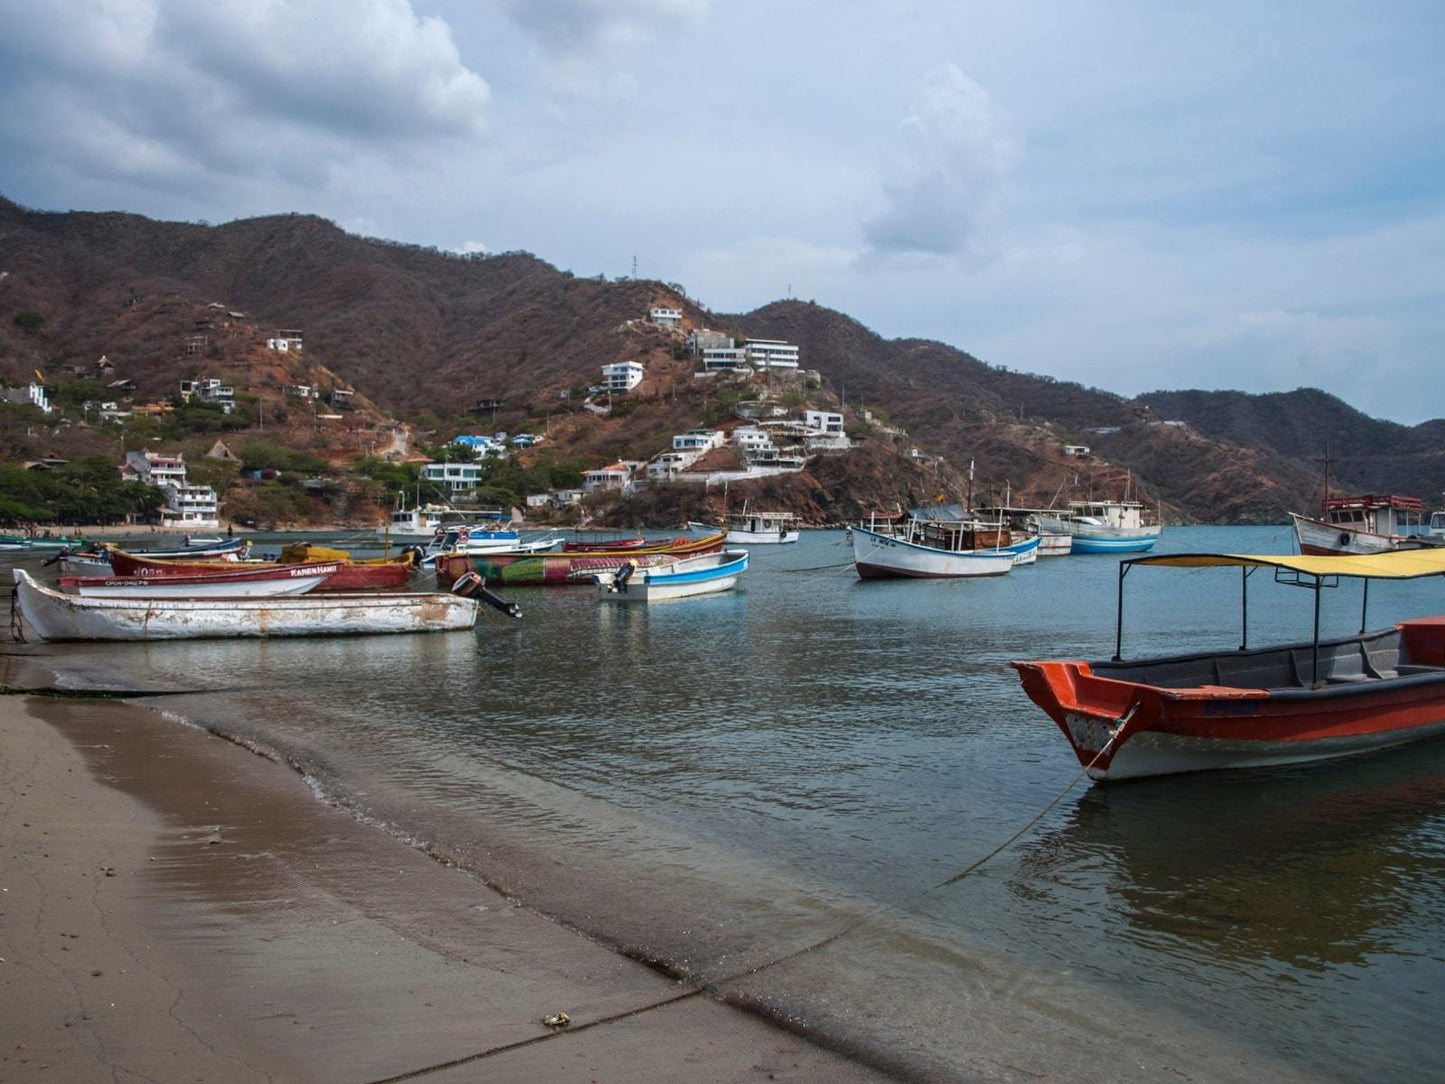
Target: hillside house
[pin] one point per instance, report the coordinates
(664, 316)
(705, 339)
(32, 394)
(824, 421)
(725, 359)
(613, 476)
(457, 477)
(285, 341)
(698, 440)
(622, 376)
(210, 390)
(301, 391)
(770, 354)
(483, 447)
(1077, 450)
(666, 465)
(188, 507)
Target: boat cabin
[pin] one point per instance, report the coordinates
(1108, 513)
(1387, 514)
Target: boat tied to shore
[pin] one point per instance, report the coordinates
(937, 543)
(1251, 707)
(1368, 523)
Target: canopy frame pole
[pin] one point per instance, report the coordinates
(1244, 573)
(1119, 613)
(1364, 604)
(1315, 647)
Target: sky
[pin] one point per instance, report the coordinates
(1132, 195)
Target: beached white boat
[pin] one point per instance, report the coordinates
(703, 575)
(268, 581)
(755, 528)
(54, 615)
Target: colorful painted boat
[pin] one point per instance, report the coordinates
(1253, 707)
(386, 574)
(1371, 523)
(53, 615)
(705, 575)
(1112, 527)
(239, 581)
(527, 569)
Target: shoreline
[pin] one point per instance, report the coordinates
(178, 906)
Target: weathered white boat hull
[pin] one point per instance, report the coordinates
(1318, 537)
(56, 616)
(880, 556)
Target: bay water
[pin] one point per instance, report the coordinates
(720, 784)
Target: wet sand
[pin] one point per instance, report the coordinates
(175, 907)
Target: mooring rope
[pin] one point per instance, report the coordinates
(715, 986)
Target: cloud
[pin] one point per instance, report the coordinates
(586, 44)
(941, 193)
(168, 94)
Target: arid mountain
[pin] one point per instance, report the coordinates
(427, 335)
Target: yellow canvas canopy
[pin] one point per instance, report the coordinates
(1395, 565)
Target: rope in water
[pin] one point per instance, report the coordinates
(715, 986)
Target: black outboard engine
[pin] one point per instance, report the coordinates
(619, 581)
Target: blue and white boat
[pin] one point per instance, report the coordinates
(702, 575)
(1112, 527)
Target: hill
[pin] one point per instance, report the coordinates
(426, 335)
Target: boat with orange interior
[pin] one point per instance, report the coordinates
(1252, 707)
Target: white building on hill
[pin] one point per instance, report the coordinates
(187, 507)
(623, 376)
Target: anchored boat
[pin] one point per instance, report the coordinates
(705, 575)
(1310, 700)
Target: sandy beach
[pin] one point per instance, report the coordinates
(178, 908)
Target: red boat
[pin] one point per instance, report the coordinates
(349, 575)
(606, 545)
(1255, 706)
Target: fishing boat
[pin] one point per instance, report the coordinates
(54, 615)
(747, 528)
(422, 522)
(1111, 527)
(1370, 523)
(710, 573)
(13, 542)
(466, 540)
(1260, 706)
(1051, 525)
(239, 581)
(594, 545)
(382, 574)
(936, 543)
(48, 541)
(578, 567)
(231, 549)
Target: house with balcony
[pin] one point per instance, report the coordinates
(699, 440)
(457, 477)
(613, 476)
(188, 507)
(286, 341)
(770, 354)
(622, 376)
(211, 391)
(667, 317)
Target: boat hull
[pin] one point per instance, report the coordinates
(1349, 697)
(541, 569)
(1323, 539)
(349, 575)
(880, 556)
(241, 583)
(55, 616)
(1113, 539)
(704, 575)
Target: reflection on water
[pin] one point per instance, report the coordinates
(719, 779)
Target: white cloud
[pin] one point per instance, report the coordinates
(945, 186)
(588, 45)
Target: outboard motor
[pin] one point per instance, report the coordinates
(471, 585)
(619, 581)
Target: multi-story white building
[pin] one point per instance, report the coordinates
(824, 421)
(622, 376)
(210, 390)
(187, 507)
(665, 316)
(285, 341)
(752, 441)
(698, 440)
(770, 354)
(724, 359)
(457, 477)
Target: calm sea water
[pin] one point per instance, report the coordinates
(719, 782)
